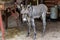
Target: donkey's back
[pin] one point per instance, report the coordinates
(38, 10)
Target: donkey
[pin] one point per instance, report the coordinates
(33, 12)
(12, 11)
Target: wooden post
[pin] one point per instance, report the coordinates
(1, 22)
(26, 2)
(37, 2)
(1, 26)
(6, 21)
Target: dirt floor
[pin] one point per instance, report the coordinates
(19, 33)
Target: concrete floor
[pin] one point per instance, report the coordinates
(19, 33)
(52, 32)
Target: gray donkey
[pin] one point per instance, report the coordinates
(30, 12)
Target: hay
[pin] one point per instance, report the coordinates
(12, 32)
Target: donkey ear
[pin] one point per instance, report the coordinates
(28, 6)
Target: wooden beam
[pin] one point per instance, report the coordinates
(37, 2)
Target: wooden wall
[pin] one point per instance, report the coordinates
(51, 3)
(58, 2)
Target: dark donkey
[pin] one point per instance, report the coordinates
(12, 11)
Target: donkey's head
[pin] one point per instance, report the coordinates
(24, 12)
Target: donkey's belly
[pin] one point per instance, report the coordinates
(36, 15)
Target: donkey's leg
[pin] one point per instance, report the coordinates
(29, 26)
(20, 18)
(33, 25)
(44, 22)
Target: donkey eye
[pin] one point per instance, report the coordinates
(28, 7)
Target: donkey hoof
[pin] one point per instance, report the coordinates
(34, 37)
(27, 35)
(43, 34)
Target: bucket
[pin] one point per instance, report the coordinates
(54, 12)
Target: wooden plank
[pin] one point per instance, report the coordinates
(50, 1)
